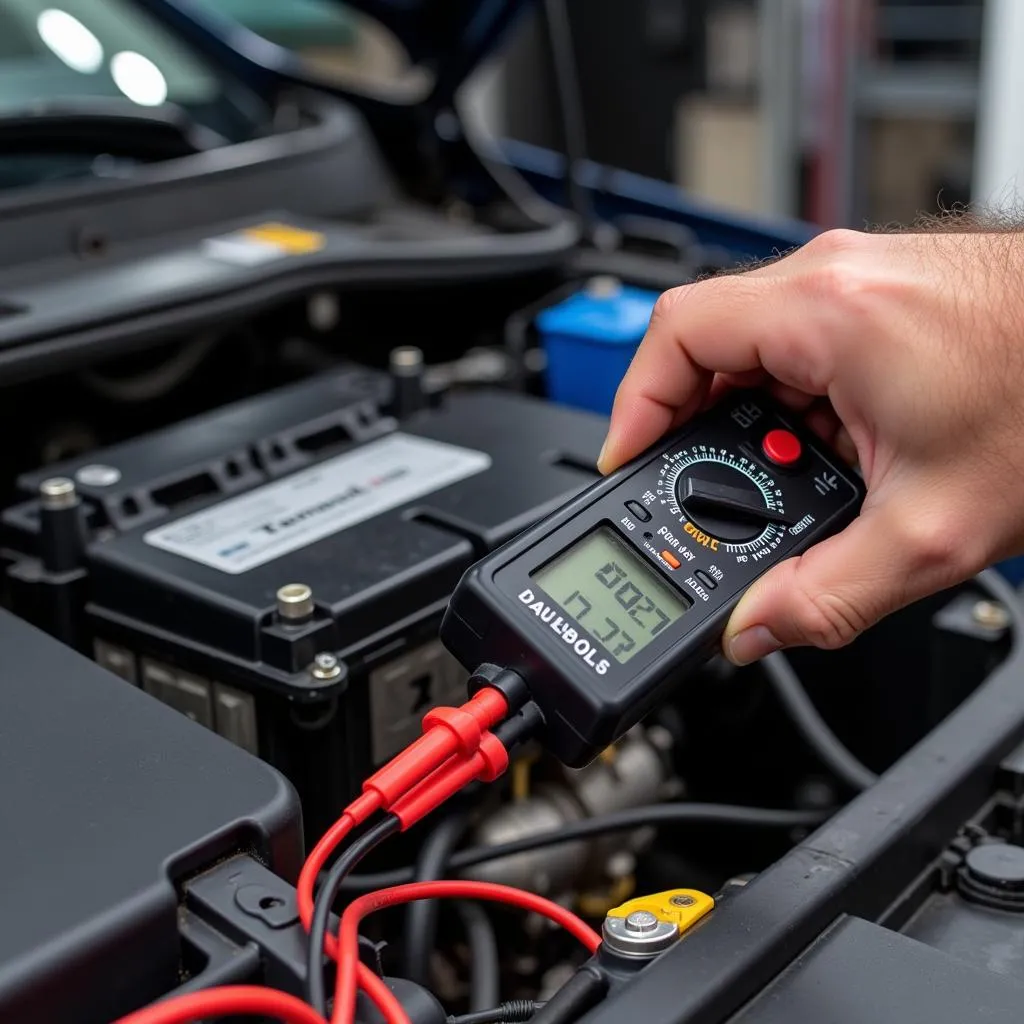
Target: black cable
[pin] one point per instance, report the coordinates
(583, 991)
(432, 864)
(521, 727)
(485, 964)
(623, 821)
(570, 105)
(814, 729)
(517, 1011)
(421, 916)
(316, 989)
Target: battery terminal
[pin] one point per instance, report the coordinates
(681, 907)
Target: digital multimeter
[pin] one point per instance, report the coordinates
(601, 607)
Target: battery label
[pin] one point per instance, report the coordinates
(255, 528)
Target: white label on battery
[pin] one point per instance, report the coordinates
(245, 252)
(255, 528)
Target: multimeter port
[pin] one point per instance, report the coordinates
(605, 605)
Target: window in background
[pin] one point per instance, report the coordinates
(66, 50)
(95, 58)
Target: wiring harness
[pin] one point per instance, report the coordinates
(458, 746)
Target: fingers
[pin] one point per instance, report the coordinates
(707, 336)
(663, 385)
(829, 595)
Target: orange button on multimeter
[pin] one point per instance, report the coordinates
(671, 559)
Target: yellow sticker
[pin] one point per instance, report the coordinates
(294, 241)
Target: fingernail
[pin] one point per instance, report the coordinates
(751, 645)
(600, 454)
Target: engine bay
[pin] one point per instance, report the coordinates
(251, 452)
(715, 787)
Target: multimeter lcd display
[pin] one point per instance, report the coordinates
(608, 590)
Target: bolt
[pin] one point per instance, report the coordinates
(641, 921)
(58, 492)
(326, 667)
(991, 615)
(406, 360)
(98, 476)
(295, 602)
(682, 901)
(323, 311)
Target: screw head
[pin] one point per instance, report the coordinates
(295, 602)
(641, 934)
(326, 667)
(98, 475)
(991, 615)
(680, 900)
(407, 359)
(58, 492)
(641, 921)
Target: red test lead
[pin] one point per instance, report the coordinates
(349, 977)
(451, 733)
(489, 761)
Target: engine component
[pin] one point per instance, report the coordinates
(277, 570)
(648, 925)
(635, 772)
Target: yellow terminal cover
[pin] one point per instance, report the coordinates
(682, 907)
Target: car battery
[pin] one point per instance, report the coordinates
(277, 570)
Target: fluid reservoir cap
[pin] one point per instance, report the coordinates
(997, 864)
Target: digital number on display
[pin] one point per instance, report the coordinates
(609, 592)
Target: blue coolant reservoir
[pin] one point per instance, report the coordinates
(589, 340)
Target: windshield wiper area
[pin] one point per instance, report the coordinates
(99, 125)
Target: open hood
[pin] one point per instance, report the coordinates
(450, 37)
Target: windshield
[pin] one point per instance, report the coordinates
(54, 51)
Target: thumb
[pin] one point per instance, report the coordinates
(827, 596)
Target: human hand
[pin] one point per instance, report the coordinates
(906, 351)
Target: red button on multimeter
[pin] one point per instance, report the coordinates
(782, 447)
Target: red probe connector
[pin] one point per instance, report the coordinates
(452, 735)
